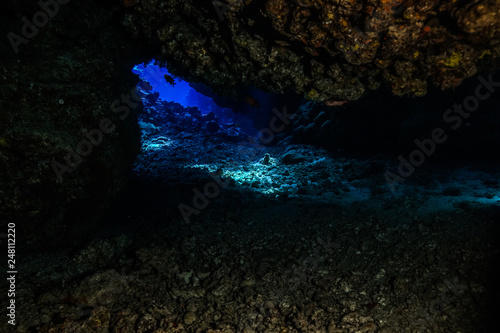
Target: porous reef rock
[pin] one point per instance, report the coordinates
(323, 49)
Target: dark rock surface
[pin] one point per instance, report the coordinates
(324, 50)
(317, 245)
(379, 124)
(57, 95)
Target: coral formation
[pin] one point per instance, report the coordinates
(323, 49)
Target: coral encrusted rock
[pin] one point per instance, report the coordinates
(323, 49)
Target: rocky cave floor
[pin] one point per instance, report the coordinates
(302, 241)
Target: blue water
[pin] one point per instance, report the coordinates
(181, 93)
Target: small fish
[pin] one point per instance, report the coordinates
(169, 79)
(332, 102)
(252, 101)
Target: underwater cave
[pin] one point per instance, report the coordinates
(250, 166)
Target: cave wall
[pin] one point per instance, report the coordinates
(323, 50)
(384, 125)
(67, 140)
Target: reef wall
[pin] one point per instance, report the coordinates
(323, 49)
(68, 130)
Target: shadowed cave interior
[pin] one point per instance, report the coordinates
(251, 166)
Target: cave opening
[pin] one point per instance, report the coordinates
(157, 79)
(202, 153)
(188, 131)
(223, 202)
